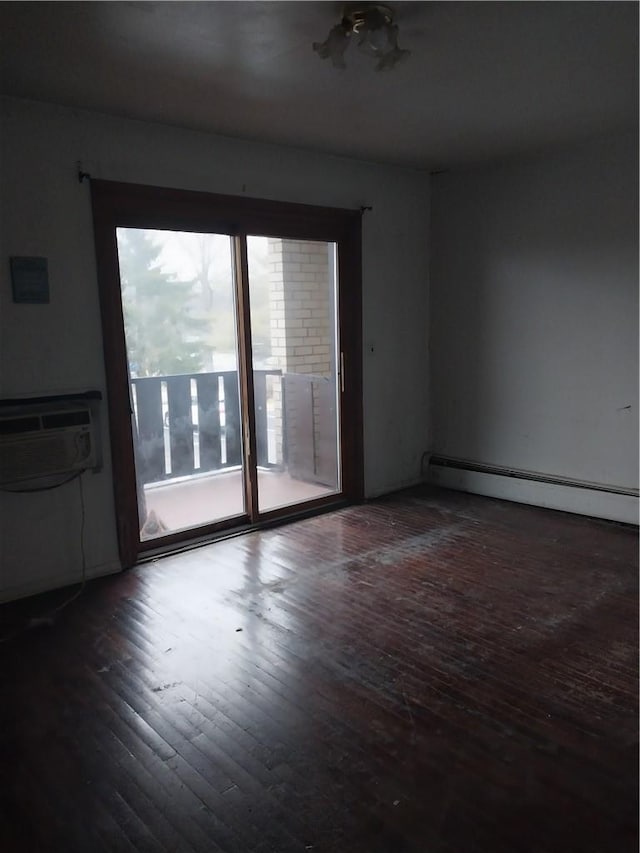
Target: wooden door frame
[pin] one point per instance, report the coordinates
(116, 204)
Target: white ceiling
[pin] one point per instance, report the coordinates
(485, 80)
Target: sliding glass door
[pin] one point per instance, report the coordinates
(232, 348)
(180, 326)
(180, 303)
(293, 297)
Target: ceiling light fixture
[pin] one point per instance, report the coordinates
(371, 25)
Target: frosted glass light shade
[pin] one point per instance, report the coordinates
(377, 36)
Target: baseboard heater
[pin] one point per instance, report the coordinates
(517, 474)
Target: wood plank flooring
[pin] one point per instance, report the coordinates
(428, 673)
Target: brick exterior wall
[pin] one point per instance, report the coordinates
(301, 328)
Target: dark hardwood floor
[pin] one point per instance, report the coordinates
(429, 672)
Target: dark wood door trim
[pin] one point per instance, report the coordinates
(245, 349)
(118, 393)
(133, 205)
(350, 330)
(142, 206)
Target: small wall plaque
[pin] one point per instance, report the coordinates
(30, 280)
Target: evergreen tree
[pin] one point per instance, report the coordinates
(163, 337)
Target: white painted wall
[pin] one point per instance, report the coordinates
(534, 315)
(58, 347)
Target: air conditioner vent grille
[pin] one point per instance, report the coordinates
(66, 419)
(14, 426)
(49, 443)
(44, 456)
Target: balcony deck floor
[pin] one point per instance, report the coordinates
(204, 499)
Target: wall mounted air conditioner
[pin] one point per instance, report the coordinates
(47, 440)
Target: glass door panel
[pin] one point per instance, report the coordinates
(293, 298)
(179, 308)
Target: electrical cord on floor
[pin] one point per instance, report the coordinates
(83, 578)
(49, 618)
